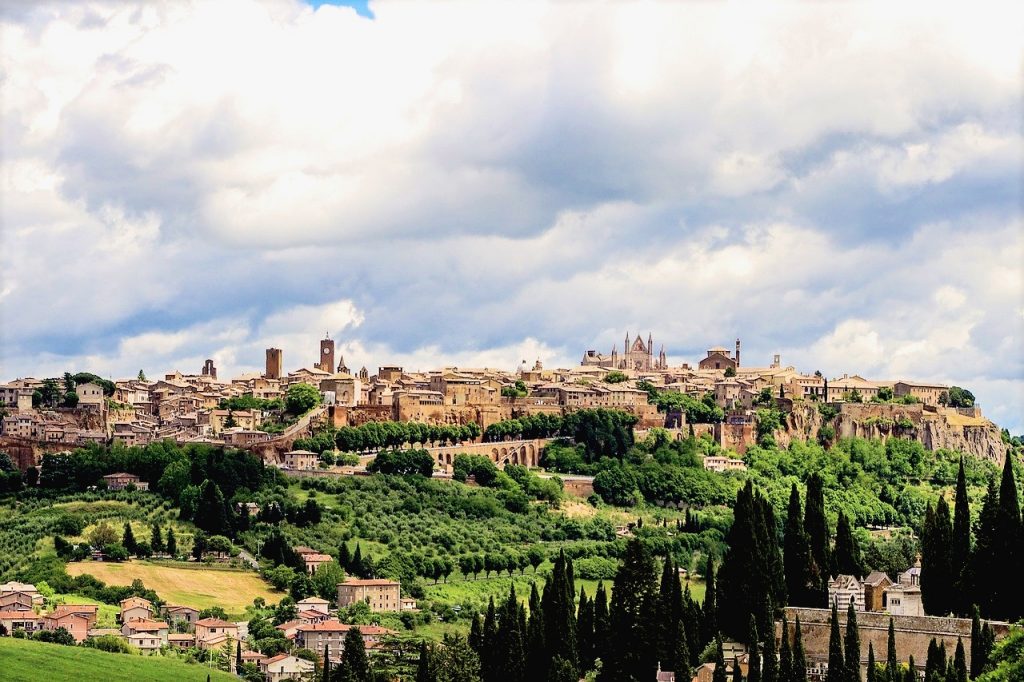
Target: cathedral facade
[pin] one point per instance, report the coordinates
(636, 356)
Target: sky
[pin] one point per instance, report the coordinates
(478, 184)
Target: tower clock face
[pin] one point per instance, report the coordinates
(327, 351)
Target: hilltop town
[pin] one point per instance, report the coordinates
(245, 411)
(325, 524)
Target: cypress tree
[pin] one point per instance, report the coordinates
(754, 664)
(785, 655)
(847, 554)
(911, 674)
(344, 558)
(977, 645)
(751, 573)
(852, 645)
(960, 661)
(128, 539)
(489, 655)
(960, 548)
(737, 672)
(872, 671)
(935, 664)
(836, 664)
(156, 540)
(801, 572)
(816, 526)
(423, 672)
(936, 570)
(709, 624)
(681, 652)
(560, 614)
(585, 631)
(1007, 601)
(211, 513)
(633, 605)
(510, 655)
(719, 675)
(238, 656)
(602, 621)
(354, 656)
(172, 542)
(536, 651)
(476, 635)
(799, 657)
(984, 556)
(892, 664)
(693, 617)
(356, 565)
(325, 672)
(667, 609)
(769, 660)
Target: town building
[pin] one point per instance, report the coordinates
(381, 595)
(120, 481)
(286, 667)
(844, 589)
(301, 460)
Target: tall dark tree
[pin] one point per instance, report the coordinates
(769, 660)
(511, 655)
(156, 540)
(536, 650)
(816, 526)
(960, 548)
(709, 621)
(128, 539)
(602, 620)
(751, 574)
(802, 574)
(559, 609)
(476, 635)
(872, 670)
(754, 663)
(892, 663)
(935, 664)
(172, 542)
(211, 513)
(936, 567)
(424, 669)
(851, 650)
(668, 611)
(836, 664)
(719, 674)
(785, 654)
(960, 662)
(847, 556)
(585, 630)
(353, 657)
(633, 605)
(977, 646)
(345, 558)
(489, 654)
(681, 652)
(799, 655)
(1007, 602)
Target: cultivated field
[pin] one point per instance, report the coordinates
(200, 586)
(26, 661)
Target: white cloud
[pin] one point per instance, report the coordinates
(470, 182)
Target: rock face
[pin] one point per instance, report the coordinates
(962, 430)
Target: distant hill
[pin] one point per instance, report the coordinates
(27, 661)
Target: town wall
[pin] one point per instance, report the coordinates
(913, 633)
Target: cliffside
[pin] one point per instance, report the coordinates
(935, 427)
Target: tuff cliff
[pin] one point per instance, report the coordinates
(962, 430)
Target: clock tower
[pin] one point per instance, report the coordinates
(326, 355)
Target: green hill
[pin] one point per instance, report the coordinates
(25, 660)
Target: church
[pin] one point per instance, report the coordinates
(638, 357)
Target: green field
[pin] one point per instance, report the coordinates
(477, 592)
(197, 585)
(25, 661)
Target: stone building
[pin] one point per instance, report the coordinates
(382, 595)
(636, 356)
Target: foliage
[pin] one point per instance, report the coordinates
(615, 377)
(391, 434)
(406, 462)
(301, 398)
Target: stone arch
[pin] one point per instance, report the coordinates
(440, 459)
(494, 454)
(448, 457)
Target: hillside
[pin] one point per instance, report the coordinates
(26, 661)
